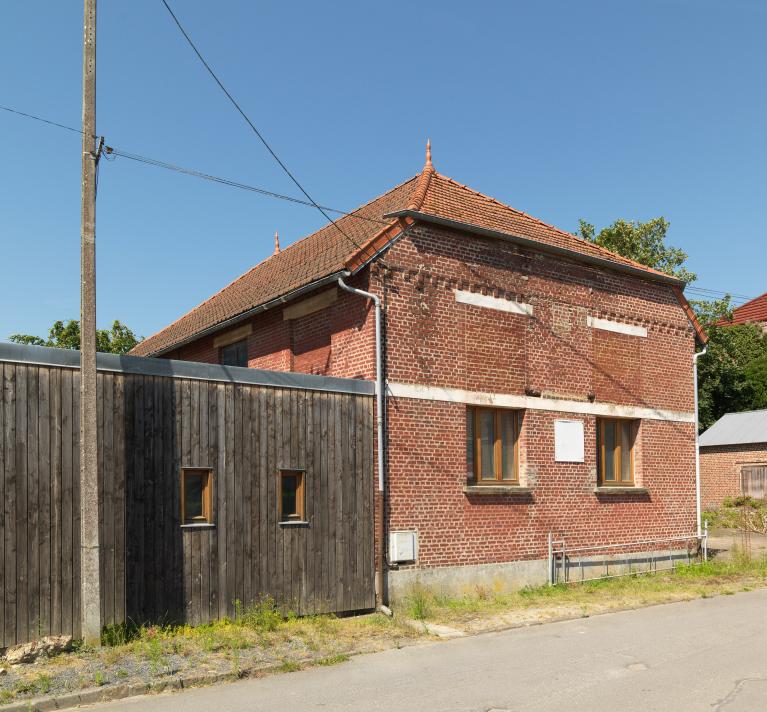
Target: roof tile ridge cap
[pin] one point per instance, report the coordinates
(418, 197)
(559, 230)
(351, 213)
(363, 247)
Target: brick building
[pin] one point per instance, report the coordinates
(752, 312)
(536, 382)
(733, 457)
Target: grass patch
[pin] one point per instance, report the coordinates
(481, 609)
(332, 660)
(289, 666)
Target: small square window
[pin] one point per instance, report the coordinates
(196, 499)
(291, 495)
(235, 354)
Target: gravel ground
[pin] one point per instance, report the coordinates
(209, 651)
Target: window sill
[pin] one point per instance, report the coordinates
(497, 489)
(621, 490)
(294, 523)
(200, 525)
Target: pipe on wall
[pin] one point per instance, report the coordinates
(380, 386)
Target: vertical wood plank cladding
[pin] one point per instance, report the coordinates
(202, 456)
(230, 528)
(44, 501)
(213, 534)
(67, 498)
(56, 563)
(152, 569)
(244, 480)
(2, 508)
(220, 493)
(76, 627)
(107, 517)
(263, 493)
(119, 427)
(22, 481)
(9, 502)
(237, 538)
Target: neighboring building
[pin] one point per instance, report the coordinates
(536, 382)
(753, 312)
(733, 457)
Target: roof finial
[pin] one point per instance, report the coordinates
(428, 154)
(276, 242)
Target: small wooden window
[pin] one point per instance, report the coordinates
(291, 496)
(492, 445)
(235, 354)
(196, 496)
(615, 451)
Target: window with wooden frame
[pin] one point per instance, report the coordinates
(235, 354)
(492, 445)
(615, 451)
(196, 496)
(291, 495)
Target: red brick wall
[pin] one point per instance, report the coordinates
(338, 340)
(433, 340)
(720, 470)
(427, 476)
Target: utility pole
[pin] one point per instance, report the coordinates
(90, 583)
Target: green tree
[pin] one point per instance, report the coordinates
(756, 375)
(643, 242)
(66, 335)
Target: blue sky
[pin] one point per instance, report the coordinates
(563, 109)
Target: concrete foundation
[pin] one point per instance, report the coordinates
(513, 575)
(467, 580)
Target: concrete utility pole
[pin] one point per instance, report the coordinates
(90, 583)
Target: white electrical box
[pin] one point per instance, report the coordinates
(403, 546)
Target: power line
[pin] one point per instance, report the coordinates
(40, 118)
(253, 126)
(232, 183)
(111, 151)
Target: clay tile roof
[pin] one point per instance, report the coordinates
(753, 312)
(328, 251)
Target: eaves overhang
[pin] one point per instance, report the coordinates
(536, 245)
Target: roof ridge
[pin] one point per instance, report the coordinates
(547, 225)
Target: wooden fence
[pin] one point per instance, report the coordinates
(155, 417)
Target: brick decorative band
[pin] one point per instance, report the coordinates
(506, 400)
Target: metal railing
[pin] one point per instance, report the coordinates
(636, 559)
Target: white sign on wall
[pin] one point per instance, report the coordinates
(568, 440)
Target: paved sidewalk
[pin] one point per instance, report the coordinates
(708, 654)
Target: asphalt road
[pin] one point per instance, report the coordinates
(708, 654)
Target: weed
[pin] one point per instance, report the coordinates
(418, 603)
(116, 634)
(333, 659)
(289, 666)
(261, 615)
(99, 678)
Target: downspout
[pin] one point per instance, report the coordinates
(379, 433)
(695, 358)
